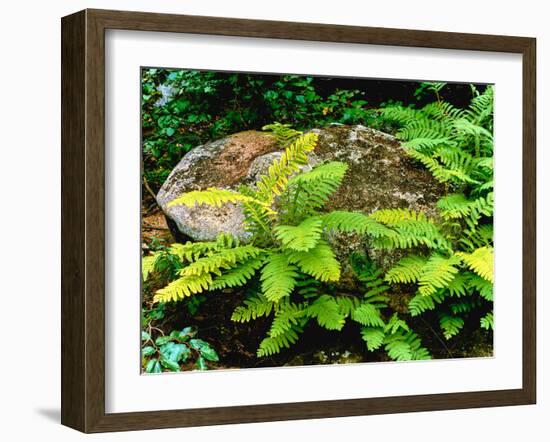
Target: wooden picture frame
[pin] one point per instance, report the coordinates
(83, 220)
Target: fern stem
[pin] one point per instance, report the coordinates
(442, 342)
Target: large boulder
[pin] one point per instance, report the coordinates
(380, 175)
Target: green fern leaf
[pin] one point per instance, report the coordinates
(147, 266)
(238, 275)
(253, 308)
(407, 270)
(481, 261)
(451, 325)
(302, 237)
(373, 336)
(328, 313)
(272, 345)
(487, 322)
(183, 287)
(278, 277)
(437, 273)
(318, 262)
(367, 314)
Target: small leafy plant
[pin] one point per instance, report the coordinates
(170, 352)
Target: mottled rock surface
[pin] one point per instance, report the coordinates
(380, 176)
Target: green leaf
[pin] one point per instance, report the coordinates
(169, 364)
(147, 351)
(161, 340)
(210, 354)
(201, 364)
(145, 336)
(170, 131)
(153, 366)
(175, 352)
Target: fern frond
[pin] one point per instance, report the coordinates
(183, 287)
(487, 322)
(405, 346)
(422, 303)
(278, 277)
(283, 133)
(191, 251)
(355, 222)
(328, 312)
(213, 197)
(274, 182)
(238, 275)
(221, 260)
(451, 325)
(253, 308)
(318, 262)
(483, 287)
(147, 265)
(309, 191)
(407, 270)
(373, 337)
(302, 237)
(287, 316)
(437, 273)
(272, 345)
(368, 314)
(481, 261)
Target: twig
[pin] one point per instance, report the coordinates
(437, 336)
(148, 188)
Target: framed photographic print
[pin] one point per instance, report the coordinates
(267, 221)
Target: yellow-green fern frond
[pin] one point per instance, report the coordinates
(481, 261)
(278, 277)
(373, 337)
(213, 197)
(238, 275)
(288, 315)
(328, 312)
(451, 325)
(367, 314)
(183, 287)
(147, 265)
(272, 345)
(221, 260)
(302, 237)
(318, 262)
(253, 308)
(350, 222)
(407, 270)
(437, 273)
(275, 181)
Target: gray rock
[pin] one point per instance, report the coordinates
(380, 175)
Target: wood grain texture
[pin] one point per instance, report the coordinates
(83, 219)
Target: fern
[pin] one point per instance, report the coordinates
(407, 270)
(318, 262)
(328, 312)
(272, 345)
(253, 308)
(183, 287)
(278, 277)
(237, 276)
(451, 325)
(487, 322)
(481, 261)
(302, 237)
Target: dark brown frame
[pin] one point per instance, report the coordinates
(83, 215)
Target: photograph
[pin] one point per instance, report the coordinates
(295, 220)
